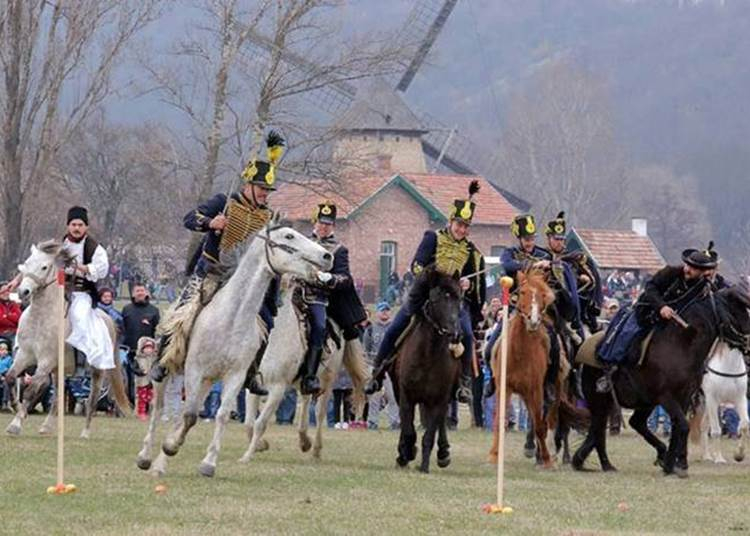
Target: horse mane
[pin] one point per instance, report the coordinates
(55, 247)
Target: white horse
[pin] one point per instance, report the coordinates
(36, 340)
(226, 336)
(725, 381)
(281, 362)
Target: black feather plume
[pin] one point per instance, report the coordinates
(711, 245)
(274, 139)
(561, 215)
(473, 188)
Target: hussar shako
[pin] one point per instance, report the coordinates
(226, 222)
(451, 252)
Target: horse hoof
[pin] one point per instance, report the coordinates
(13, 429)
(143, 464)
(739, 456)
(609, 468)
(681, 472)
(206, 469)
(423, 470)
(85, 434)
(529, 452)
(44, 431)
(444, 462)
(492, 458)
(304, 443)
(262, 446)
(169, 449)
(401, 462)
(566, 459)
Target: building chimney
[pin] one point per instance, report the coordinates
(639, 226)
(383, 163)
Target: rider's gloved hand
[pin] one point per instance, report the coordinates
(324, 277)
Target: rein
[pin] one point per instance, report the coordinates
(443, 332)
(271, 245)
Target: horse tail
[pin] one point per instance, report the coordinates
(354, 362)
(118, 388)
(569, 413)
(698, 411)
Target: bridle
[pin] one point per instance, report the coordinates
(727, 332)
(441, 330)
(271, 244)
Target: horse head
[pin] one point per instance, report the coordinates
(734, 317)
(443, 305)
(534, 295)
(288, 251)
(39, 270)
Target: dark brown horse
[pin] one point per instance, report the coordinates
(669, 376)
(425, 370)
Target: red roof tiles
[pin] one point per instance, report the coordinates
(297, 201)
(621, 249)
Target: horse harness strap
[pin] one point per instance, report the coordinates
(727, 374)
(437, 327)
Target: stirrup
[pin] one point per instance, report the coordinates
(310, 385)
(255, 387)
(604, 384)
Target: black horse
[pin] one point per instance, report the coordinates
(425, 370)
(669, 376)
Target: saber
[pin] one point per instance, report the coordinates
(680, 321)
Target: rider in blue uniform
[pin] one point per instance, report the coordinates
(333, 294)
(225, 223)
(451, 252)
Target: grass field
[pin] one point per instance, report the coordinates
(354, 489)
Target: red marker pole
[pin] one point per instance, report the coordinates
(498, 508)
(60, 488)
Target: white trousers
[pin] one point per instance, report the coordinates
(89, 333)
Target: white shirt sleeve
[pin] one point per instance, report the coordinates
(99, 267)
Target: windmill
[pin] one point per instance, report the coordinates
(444, 145)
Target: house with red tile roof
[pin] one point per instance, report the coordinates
(382, 218)
(613, 249)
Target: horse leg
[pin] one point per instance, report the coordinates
(676, 459)
(232, 383)
(638, 421)
(251, 415)
(91, 403)
(304, 423)
(600, 442)
(156, 407)
(714, 430)
(39, 383)
(321, 412)
(47, 425)
(529, 447)
(433, 417)
(407, 441)
(444, 452)
(257, 426)
(562, 431)
(744, 428)
(704, 428)
(196, 389)
(534, 403)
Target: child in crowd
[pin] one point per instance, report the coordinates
(145, 356)
(6, 361)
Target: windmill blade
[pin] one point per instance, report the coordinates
(425, 22)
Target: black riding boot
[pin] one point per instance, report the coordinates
(310, 385)
(464, 393)
(251, 380)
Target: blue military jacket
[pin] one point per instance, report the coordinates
(457, 257)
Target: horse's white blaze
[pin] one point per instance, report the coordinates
(534, 309)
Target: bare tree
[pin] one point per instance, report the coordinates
(58, 59)
(248, 65)
(558, 148)
(676, 218)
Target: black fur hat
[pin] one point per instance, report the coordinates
(78, 213)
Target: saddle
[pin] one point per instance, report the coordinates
(587, 352)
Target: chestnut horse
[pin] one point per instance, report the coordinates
(426, 370)
(528, 349)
